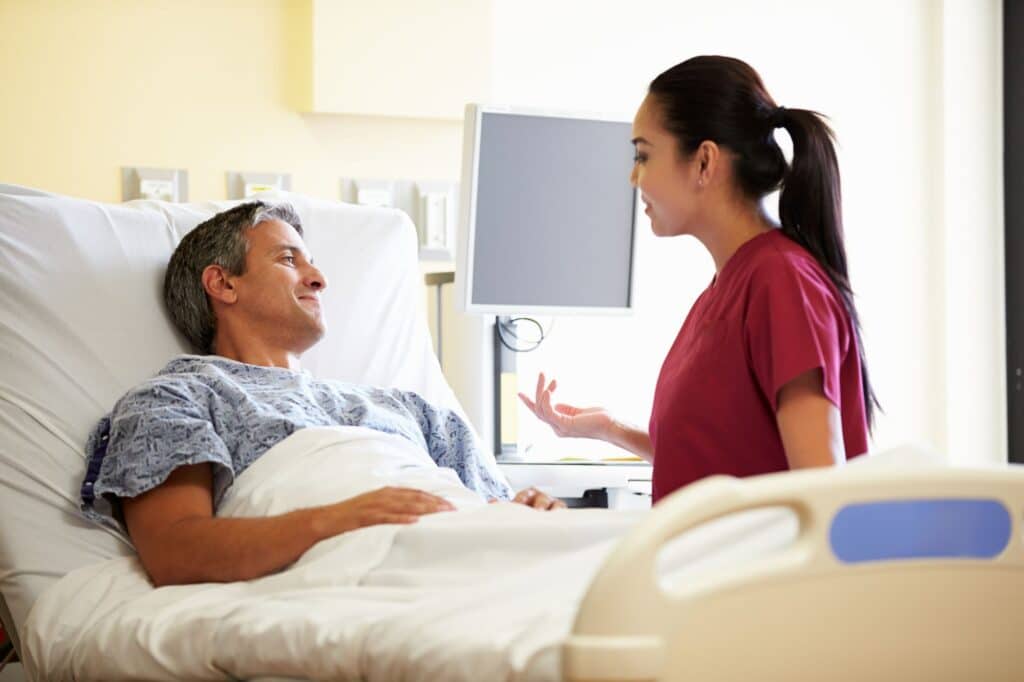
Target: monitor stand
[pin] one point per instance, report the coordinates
(505, 395)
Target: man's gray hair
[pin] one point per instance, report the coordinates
(217, 241)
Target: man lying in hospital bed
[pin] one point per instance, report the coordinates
(242, 287)
(484, 593)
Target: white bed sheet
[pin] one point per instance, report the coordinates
(350, 602)
(487, 592)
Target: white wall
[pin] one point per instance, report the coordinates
(972, 230)
(912, 91)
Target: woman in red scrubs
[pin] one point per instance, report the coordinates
(767, 372)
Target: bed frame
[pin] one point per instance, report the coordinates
(914, 574)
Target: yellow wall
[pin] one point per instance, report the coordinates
(423, 58)
(210, 86)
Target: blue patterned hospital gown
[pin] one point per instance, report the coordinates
(228, 413)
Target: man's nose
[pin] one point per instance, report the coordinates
(315, 279)
(633, 176)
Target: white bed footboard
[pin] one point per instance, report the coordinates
(895, 574)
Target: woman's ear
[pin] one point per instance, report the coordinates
(218, 284)
(708, 155)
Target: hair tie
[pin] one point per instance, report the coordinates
(778, 117)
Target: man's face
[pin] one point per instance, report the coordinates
(279, 294)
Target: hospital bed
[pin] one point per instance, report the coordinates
(893, 568)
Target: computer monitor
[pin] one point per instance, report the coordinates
(548, 216)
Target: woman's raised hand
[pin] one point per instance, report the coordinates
(566, 420)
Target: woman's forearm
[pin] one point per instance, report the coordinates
(631, 438)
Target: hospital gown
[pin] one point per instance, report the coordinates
(228, 413)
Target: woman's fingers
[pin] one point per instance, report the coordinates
(558, 418)
(545, 404)
(541, 390)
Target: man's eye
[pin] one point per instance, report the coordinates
(290, 259)
(639, 158)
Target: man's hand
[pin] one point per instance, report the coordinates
(387, 505)
(534, 498)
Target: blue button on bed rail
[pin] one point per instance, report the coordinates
(920, 529)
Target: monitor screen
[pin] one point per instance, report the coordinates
(548, 214)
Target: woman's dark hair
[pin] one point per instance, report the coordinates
(723, 100)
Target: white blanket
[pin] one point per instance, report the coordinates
(485, 592)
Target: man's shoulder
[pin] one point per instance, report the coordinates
(189, 366)
(185, 377)
(187, 370)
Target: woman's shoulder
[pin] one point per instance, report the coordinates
(785, 281)
(779, 256)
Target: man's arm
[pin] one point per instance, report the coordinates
(179, 540)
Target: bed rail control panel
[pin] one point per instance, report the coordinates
(920, 529)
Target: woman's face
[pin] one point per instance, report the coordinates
(667, 182)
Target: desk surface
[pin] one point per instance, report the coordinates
(563, 478)
(576, 462)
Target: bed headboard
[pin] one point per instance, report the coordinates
(82, 320)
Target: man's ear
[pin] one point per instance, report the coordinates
(219, 284)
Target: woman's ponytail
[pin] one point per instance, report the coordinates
(810, 211)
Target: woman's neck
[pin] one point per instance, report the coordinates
(732, 227)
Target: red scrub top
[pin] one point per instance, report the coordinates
(770, 315)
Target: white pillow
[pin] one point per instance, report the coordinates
(82, 321)
(374, 304)
(20, 189)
